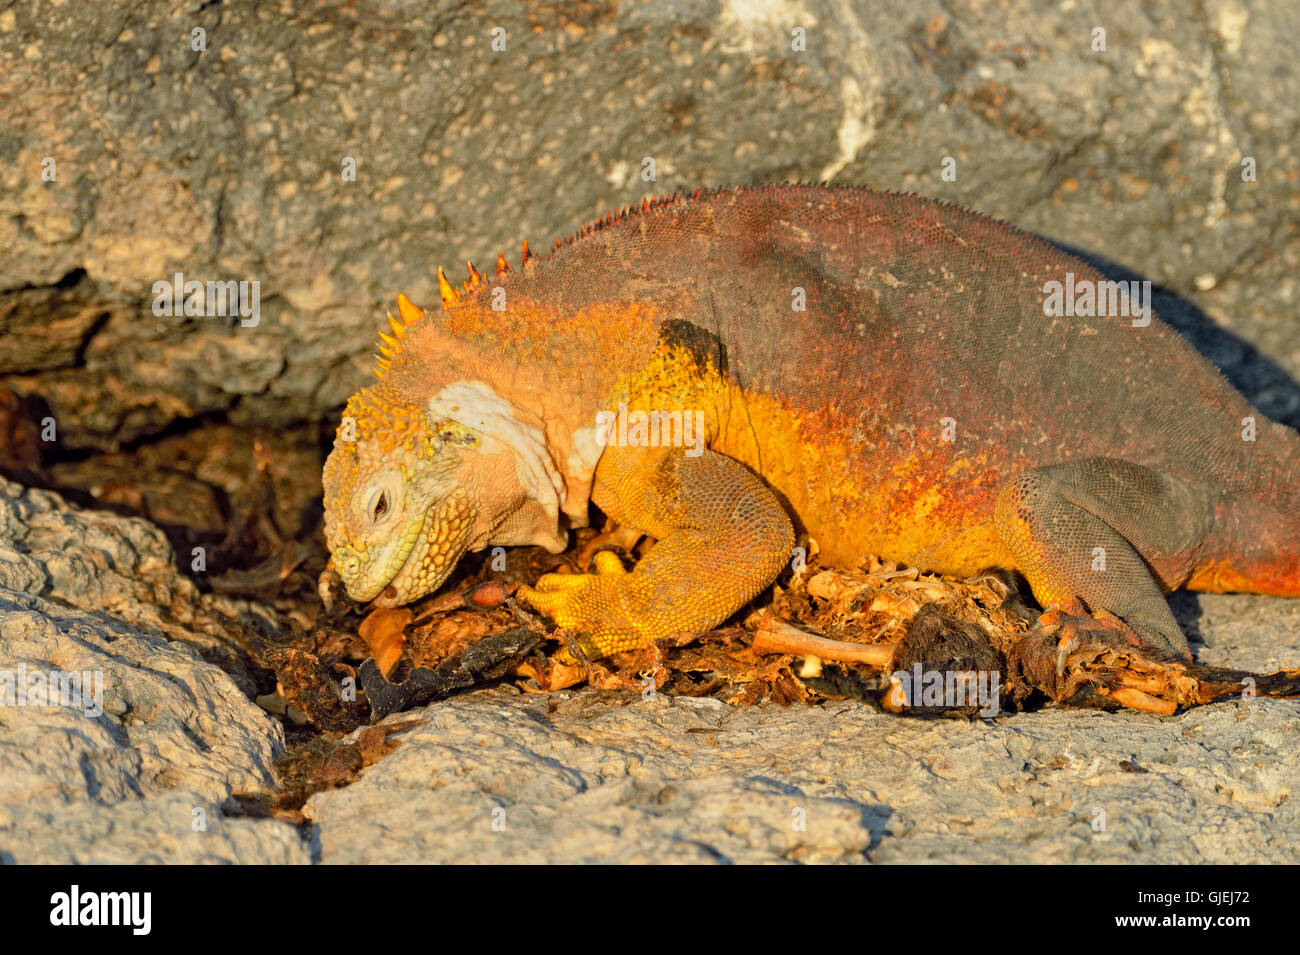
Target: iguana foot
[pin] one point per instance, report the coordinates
(1073, 626)
(594, 605)
(1110, 534)
(1066, 628)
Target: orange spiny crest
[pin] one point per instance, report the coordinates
(390, 345)
(410, 312)
(451, 294)
(446, 291)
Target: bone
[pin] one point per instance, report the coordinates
(777, 636)
(1137, 700)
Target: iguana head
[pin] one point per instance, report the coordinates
(417, 479)
(399, 512)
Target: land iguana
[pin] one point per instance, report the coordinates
(880, 371)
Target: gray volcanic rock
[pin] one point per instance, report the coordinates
(498, 776)
(123, 566)
(175, 738)
(157, 734)
(227, 163)
(602, 777)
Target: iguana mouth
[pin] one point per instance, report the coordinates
(432, 556)
(393, 593)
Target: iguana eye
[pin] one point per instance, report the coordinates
(379, 506)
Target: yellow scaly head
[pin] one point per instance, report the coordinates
(398, 515)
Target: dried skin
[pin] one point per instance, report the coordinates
(884, 599)
(309, 688)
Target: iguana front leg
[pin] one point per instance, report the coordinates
(721, 534)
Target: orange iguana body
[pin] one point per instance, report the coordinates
(877, 370)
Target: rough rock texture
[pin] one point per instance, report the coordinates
(90, 592)
(610, 778)
(226, 163)
(104, 562)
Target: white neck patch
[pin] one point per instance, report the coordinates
(476, 406)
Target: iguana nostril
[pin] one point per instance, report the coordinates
(347, 563)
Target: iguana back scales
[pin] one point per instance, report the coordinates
(878, 369)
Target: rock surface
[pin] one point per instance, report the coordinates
(613, 778)
(227, 162)
(497, 778)
(593, 776)
(127, 776)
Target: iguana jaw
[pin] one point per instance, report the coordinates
(437, 545)
(420, 557)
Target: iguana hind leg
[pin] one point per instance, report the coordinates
(721, 534)
(1117, 535)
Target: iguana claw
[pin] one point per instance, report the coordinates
(594, 605)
